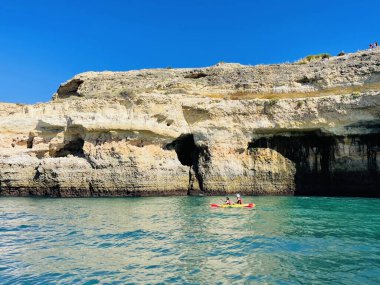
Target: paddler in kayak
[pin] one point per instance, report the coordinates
(228, 201)
(238, 199)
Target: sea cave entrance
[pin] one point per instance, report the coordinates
(328, 165)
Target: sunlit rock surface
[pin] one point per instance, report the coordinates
(306, 129)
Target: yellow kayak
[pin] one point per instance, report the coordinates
(250, 205)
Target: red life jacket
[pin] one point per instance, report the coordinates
(239, 200)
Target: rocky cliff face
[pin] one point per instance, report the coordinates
(311, 129)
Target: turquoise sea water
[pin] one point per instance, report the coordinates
(181, 240)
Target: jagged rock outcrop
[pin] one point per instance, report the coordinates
(285, 129)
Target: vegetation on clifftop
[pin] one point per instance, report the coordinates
(314, 57)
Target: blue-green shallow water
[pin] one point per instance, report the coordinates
(181, 240)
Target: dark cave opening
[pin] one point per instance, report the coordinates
(69, 89)
(73, 147)
(190, 154)
(29, 142)
(329, 165)
(187, 151)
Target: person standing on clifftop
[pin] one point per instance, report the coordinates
(376, 44)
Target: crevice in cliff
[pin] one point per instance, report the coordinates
(189, 154)
(37, 173)
(329, 165)
(91, 189)
(72, 147)
(29, 142)
(307, 80)
(195, 75)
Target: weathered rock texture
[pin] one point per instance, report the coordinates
(265, 130)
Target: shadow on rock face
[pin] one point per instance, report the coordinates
(187, 151)
(69, 89)
(330, 165)
(73, 147)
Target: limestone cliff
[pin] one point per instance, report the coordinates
(307, 129)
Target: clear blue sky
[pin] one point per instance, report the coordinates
(45, 42)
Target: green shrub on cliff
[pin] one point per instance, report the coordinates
(300, 104)
(273, 101)
(314, 57)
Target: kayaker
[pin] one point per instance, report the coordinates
(238, 199)
(228, 201)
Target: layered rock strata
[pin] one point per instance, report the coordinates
(310, 129)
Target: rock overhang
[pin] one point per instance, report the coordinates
(110, 131)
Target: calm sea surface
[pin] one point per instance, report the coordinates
(181, 240)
